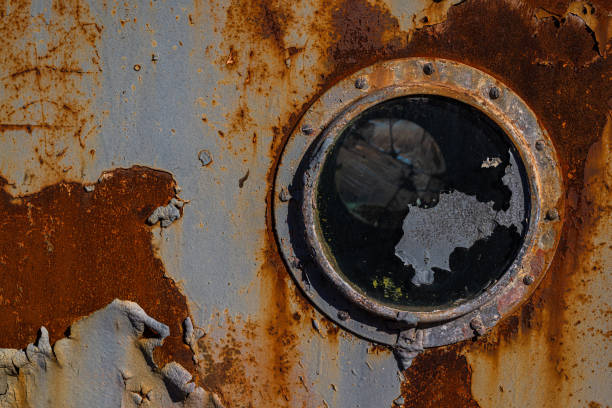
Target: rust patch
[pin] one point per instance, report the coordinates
(49, 73)
(65, 253)
(378, 349)
(262, 23)
(439, 378)
(361, 34)
(597, 20)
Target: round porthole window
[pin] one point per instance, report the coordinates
(421, 197)
(422, 203)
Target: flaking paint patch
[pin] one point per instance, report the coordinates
(49, 73)
(105, 360)
(66, 252)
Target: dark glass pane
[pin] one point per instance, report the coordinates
(423, 202)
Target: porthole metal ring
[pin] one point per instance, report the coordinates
(300, 167)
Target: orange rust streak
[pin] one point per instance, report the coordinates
(11, 126)
(65, 253)
(439, 378)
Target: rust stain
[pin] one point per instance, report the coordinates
(360, 34)
(223, 362)
(377, 349)
(254, 32)
(255, 361)
(49, 73)
(438, 378)
(65, 253)
(260, 28)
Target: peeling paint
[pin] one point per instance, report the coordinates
(66, 252)
(106, 360)
(166, 214)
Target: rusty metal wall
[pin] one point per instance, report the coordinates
(110, 109)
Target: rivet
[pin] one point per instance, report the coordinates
(552, 214)
(494, 92)
(343, 315)
(540, 145)
(528, 280)
(307, 129)
(428, 68)
(361, 83)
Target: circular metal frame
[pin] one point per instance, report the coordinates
(314, 138)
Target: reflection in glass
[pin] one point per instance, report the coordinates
(384, 165)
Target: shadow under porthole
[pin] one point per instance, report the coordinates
(313, 279)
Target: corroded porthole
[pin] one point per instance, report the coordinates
(422, 202)
(418, 202)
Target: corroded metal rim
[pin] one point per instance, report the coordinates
(318, 130)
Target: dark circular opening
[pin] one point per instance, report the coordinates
(423, 202)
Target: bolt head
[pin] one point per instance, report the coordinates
(494, 92)
(361, 83)
(552, 214)
(528, 280)
(540, 145)
(205, 157)
(428, 68)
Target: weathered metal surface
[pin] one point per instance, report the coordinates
(94, 87)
